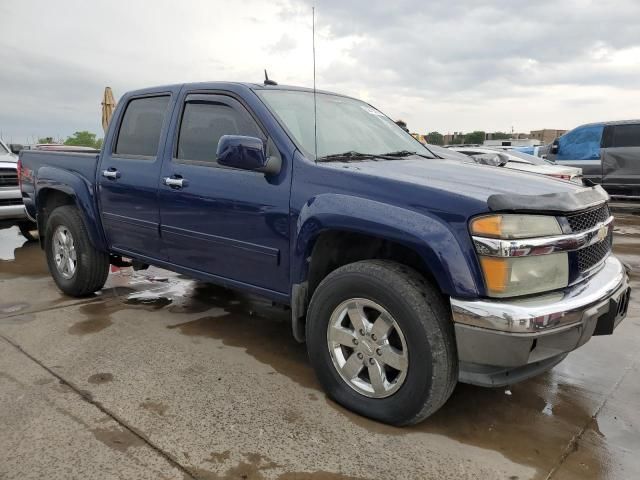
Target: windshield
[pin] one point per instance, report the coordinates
(343, 125)
(3, 148)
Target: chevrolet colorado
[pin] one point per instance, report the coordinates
(405, 272)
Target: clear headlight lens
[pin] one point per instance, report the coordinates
(512, 226)
(514, 276)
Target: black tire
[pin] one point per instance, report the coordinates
(29, 230)
(425, 321)
(92, 266)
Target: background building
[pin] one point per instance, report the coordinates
(546, 135)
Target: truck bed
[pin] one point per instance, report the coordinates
(32, 161)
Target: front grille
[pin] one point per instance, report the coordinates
(589, 219)
(590, 256)
(8, 177)
(6, 202)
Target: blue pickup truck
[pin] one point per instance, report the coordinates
(405, 272)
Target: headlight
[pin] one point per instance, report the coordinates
(508, 276)
(515, 226)
(512, 276)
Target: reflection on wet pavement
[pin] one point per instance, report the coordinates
(19, 258)
(573, 420)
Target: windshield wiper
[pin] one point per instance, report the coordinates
(405, 153)
(352, 155)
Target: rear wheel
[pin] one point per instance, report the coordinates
(76, 266)
(381, 341)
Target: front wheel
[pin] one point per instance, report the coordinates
(76, 266)
(381, 341)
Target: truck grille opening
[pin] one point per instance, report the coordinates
(589, 219)
(590, 256)
(8, 177)
(7, 202)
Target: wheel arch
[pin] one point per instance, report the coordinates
(63, 188)
(328, 235)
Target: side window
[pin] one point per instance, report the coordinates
(626, 135)
(582, 143)
(203, 123)
(141, 126)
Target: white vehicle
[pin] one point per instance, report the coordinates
(12, 210)
(524, 162)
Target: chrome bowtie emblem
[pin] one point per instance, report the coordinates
(602, 233)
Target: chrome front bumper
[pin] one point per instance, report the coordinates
(505, 341)
(12, 212)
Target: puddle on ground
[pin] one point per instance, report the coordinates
(10, 241)
(100, 378)
(11, 308)
(155, 407)
(19, 258)
(254, 324)
(254, 466)
(117, 438)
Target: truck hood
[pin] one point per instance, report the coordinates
(482, 183)
(8, 158)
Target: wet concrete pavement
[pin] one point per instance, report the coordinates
(160, 376)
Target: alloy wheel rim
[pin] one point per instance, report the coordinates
(64, 252)
(368, 348)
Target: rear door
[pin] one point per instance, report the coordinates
(223, 222)
(128, 177)
(581, 147)
(621, 159)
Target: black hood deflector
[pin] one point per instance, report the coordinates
(564, 202)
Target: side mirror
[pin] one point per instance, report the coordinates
(555, 146)
(15, 148)
(245, 153)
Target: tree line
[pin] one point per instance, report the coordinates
(475, 137)
(82, 138)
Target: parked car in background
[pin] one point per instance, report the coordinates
(12, 211)
(607, 152)
(524, 162)
(405, 272)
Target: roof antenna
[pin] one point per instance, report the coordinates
(267, 80)
(315, 114)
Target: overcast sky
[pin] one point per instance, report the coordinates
(441, 65)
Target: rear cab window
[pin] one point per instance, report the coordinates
(141, 126)
(626, 135)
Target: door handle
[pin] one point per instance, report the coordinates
(175, 182)
(111, 173)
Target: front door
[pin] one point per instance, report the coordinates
(227, 223)
(128, 177)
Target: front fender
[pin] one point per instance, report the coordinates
(80, 190)
(451, 260)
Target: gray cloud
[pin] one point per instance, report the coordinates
(439, 46)
(438, 64)
(282, 46)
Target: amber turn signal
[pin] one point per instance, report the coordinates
(496, 273)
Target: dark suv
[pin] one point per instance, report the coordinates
(607, 152)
